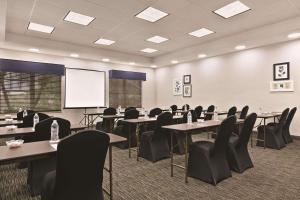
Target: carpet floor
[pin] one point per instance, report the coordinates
(275, 176)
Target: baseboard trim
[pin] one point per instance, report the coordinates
(296, 137)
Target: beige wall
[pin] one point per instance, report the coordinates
(74, 115)
(236, 79)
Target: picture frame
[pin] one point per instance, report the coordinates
(187, 90)
(187, 79)
(177, 87)
(281, 71)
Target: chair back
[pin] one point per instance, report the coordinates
(225, 130)
(210, 108)
(244, 112)
(155, 111)
(130, 108)
(174, 108)
(289, 119)
(131, 114)
(187, 106)
(231, 111)
(165, 118)
(247, 129)
(194, 117)
(110, 111)
(28, 120)
(283, 116)
(20, 114)
(43, 128)
(198, 111)
(80, 163)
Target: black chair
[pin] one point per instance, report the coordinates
(244, 112)
(154, 112)
(274, 134)
(238, 155)
(231, 111)
(124, 129)
(286, 127)
(198, 111)
(174, 109)
(194, 116)
(38, 168)
(79, 170)
(154, 144)
(186, 106)
(28, 120)
(210, 109)
(20, 114)
(106, 123)
(130, 108)
(207, 160)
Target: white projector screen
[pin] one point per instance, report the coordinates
(84, 88)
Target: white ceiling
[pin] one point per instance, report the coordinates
(115, 21)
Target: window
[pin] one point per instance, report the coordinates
(39, 92)
(125, 93)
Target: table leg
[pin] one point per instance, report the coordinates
(110, 173)
(88, 121)
(186, 157)
(129, 140)
(137, 130)
(172, 149)
(264, 133)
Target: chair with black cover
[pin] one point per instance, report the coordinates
(124, 129)
(231, 111)
(154, 112)
(210, 109)
(79, 169)
(238, 155)
(130, 108)
(179, 139)
(198, 111)
(154, 145)
(274, 133)
(244, 112)
(286, 127)
(207, 160)
(28, 120)
(174, 109)
(38, 168)
(20, 114)
(186, 107)
(150, 126)
(106, 123)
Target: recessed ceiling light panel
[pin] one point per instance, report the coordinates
(105, 59)
(240, 47)
(157, 39)
(78, 18)
(201, 32)
(34, 50)
(74, 55)
(148, 50)
(294, 35)
(40, 28)
(202, 55)
(174, 61)
(151, 14)
(232, 9)
(103, 41)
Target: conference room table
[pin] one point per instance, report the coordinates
(264, 117)
(7, 133)
(9, 123)
(186, 129)
(43, 149)
(3, 117)
(139, 122)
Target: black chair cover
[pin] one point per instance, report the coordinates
(105, 124)
(207, 160)
(210, 108)
(79, 170)
(198, 111)
(155, 111)
(231, 111)
(174, 108)
(244, 112)
(20, 114)
(286, 128)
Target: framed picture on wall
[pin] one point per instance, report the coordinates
(177, 87)
(187, 79)
(187, 90)
(281, 71)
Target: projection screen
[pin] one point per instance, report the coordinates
(84, 88)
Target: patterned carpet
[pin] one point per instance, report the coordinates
(276, 175)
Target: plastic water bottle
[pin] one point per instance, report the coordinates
(54, 132)
(189, 118)
(20, 109)
(185, 108)
(146, 114)
(24, 113)
(36, 120)
(119, 110)
(216, 114)
(170, 110)
(143, 111)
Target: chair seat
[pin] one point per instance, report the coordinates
(233, 140)
(204, 146)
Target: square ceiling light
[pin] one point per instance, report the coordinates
(151, 14)
(103, 41)
(232, 9)
(78, 18)
(201, 32)
(157, 39)
(148, 50)
(40, 28)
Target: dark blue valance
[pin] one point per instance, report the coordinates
(7, 65)
(118, 74)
